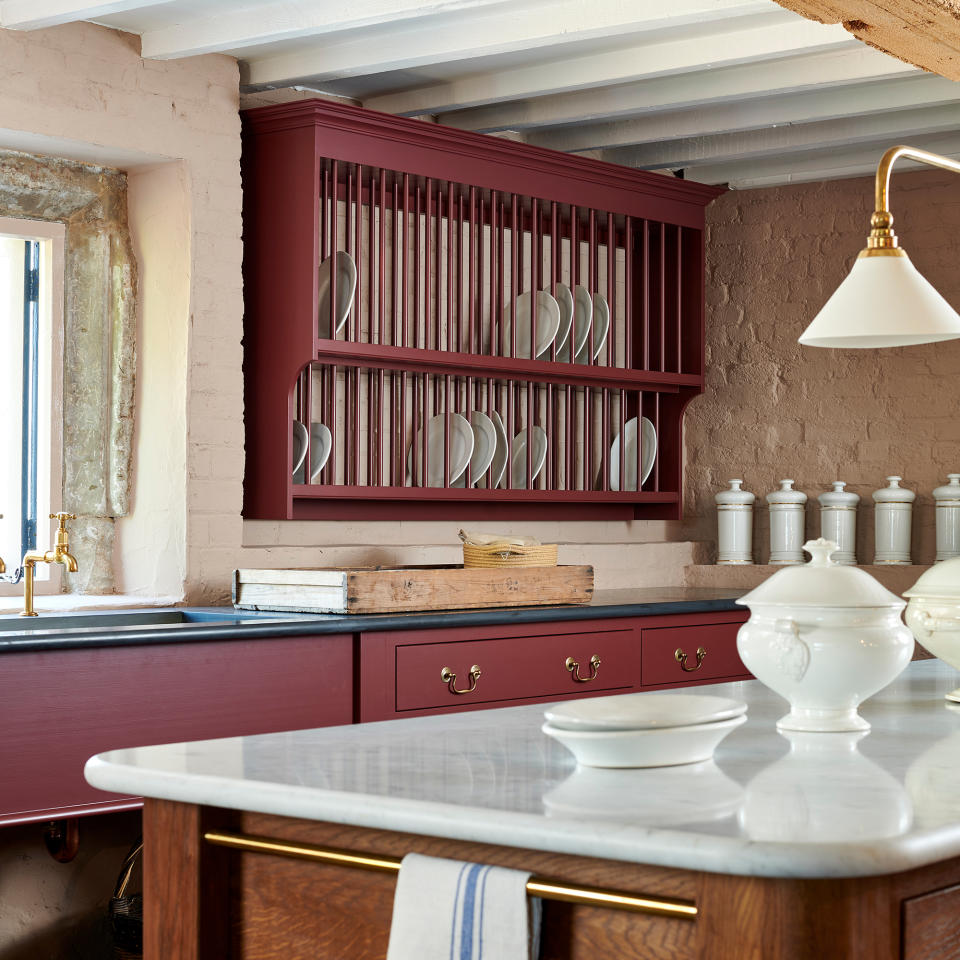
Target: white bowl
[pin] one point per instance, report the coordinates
(655, 747)
(641, 711)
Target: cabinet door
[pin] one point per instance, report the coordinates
(64, 706)
(690, 654)
(404, 674)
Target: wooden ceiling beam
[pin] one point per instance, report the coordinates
(37, 14)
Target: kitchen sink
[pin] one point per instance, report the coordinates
(126, 619)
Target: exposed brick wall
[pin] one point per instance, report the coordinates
(774, 409)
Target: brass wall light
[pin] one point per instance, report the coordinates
(884, 301)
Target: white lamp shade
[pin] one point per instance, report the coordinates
(884, 302)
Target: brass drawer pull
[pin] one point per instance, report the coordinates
(574, 667)
(450, 679)
(681, 658)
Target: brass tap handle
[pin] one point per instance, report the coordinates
(450, 679)
(681, 658)
(63, 536)
(574, 667)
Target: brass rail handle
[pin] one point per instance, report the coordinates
(681, 658)
(574, 667)
(450, 679)
(542, 887)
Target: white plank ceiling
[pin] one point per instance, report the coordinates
(720, 91)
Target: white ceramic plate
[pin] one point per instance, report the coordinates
(565, 302)
(499, 463)
(656, 747)
(299, 446)
(642, 711)
(484, 447)
(580, 326)
(518, 454)
(321, 443)
(461, 449)
(661, 797)
(548, 323)
(346, 288)
(599, 330)
(648, 453)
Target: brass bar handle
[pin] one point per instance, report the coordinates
(450, 679)
(574, 667)
(681, 658)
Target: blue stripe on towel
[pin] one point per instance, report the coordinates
(483, 895)
(469, 906)
(456, 903)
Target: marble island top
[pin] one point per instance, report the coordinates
(807, 805)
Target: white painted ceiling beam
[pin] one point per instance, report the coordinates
(260, 24)
(36, 14)
(787, 138)
(858, 161)
(482, 33)
(781, 76)
(614, 139)
(768, 40)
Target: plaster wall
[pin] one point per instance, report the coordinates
(773, 409)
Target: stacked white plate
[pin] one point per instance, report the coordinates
(643, 729)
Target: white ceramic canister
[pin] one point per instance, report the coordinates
(735, 524)
(787, 516)
(826, 637)
(948, 518)
(892, 519)
(838, 521)
(933, 613)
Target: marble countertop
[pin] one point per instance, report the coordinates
(49, 632)
(811, 805)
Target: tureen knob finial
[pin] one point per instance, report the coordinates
(820, 551)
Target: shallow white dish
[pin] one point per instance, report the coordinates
(580, 326)
(518, 456)
(461, 449)
(599, 329)
(321, 443)
(299, 445)
(548, 323)
(499, 463)
(656, 747)
(648, 453)
(642, 711)
(346, 289)
(565, 302)
(484, 447)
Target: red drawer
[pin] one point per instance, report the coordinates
(514, 668)
(661, 647)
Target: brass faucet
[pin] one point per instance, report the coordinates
(59, 554)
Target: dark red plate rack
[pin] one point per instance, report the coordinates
(450, 232)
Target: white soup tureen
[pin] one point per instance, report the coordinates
(933, 613)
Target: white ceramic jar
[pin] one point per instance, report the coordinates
(948, 518)
(787, 516)
(735, 524)
(892, 520)
(825, 637)
(838, 521)
(933, 613)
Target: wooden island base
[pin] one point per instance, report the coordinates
(208, 902)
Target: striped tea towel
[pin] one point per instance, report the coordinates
(452, 910)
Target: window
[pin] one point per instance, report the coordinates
(31, 333)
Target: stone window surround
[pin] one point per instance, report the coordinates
(99, 350)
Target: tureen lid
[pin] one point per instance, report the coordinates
(822, 583)
(941, 581)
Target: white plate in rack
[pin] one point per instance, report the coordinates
(565, 302)
(641, 711)
(498, 464)
(580, 326)
(346, 289)
(321, 442)
(299, 448)
(548, 323)
(599, 330)
(518, 448)
(648, 453)
(484, 447)
(461, 449)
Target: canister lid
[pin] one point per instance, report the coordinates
(822, 583)
(940, 582)
(893, 492)
(786, 494)
(838, 497)
(951, 491)
(735, 496)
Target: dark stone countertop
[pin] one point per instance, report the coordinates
(85, 629)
